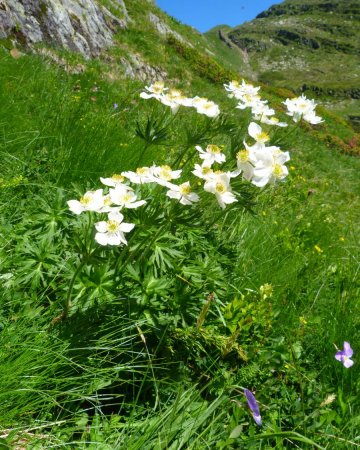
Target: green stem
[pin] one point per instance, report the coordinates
(278, 141)
(67, 304)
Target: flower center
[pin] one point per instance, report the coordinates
(107, 200)
(243, 155)
(141, 170)
(220, 188)
(158, 87)
(213, 149)
(205, 170)
(165, 173)
(112, 226)
(185, 189)
(278, 170)
(262, 137)
(174, 94)
(126, 198)
(118, 178)
(86, 199)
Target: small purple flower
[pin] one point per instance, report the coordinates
(115, 105)
(345, 355)
(253, 406)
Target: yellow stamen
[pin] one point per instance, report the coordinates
(220, 188)
(185, 189)
(112, 226)
(262, 137)
(213, 148)
(118, 178)
(278, 170)
(243, 155)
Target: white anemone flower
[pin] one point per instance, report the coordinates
(183, 193)
(312, 118)
(238, 91)
(108, 205)
(125, 198)
(90, 201)
(155, 90)
(111, 232)
(219, 185)
(142, 175)
(232, 87)
(164, 174)
(262, 110)
(204, 171)
(270, 166)
(270, 121)
(211, 154)
(302, 108)
(206, 107)
(256, 132)
(245, 159)
(250, 101)
(173, 99)
(114, 180)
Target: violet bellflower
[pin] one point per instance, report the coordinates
(253, 406)
(345, 355)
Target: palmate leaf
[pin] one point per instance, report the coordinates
(38, 264)
(153, 132)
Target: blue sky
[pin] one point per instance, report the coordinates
(205, 14)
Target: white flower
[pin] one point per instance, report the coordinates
(90, 201)
(302, 108)
(238, 91)
(124, 197)
(256, 132)
(219, 184)
(261, 109)
(232, 87)
(270, 121)
(244, 159)
(183, 193)
(164, 174)
(211, 154)
(114, 180)
(205, 106)
(174, 99)
(269, 166)
(204, 171)
(312, 118)
(156, 90)
(111, 232)
(141, 176)
(250, 101)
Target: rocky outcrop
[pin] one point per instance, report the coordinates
(163, 29)
(78, 25)
(138, 69)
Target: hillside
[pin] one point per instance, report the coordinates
(312, 46)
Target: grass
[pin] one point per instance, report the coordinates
(149, 346)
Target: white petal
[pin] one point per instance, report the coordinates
(254, 129)
(75, 206)
(126, 227)
(101, 238)
(101, 226)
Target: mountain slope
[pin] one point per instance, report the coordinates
(311, 45)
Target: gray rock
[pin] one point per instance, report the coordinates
(137, 69)
(163, 29)
(78, 25)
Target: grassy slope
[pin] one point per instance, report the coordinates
(330, 69)
(59, 129)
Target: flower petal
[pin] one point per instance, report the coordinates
(348, 351)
